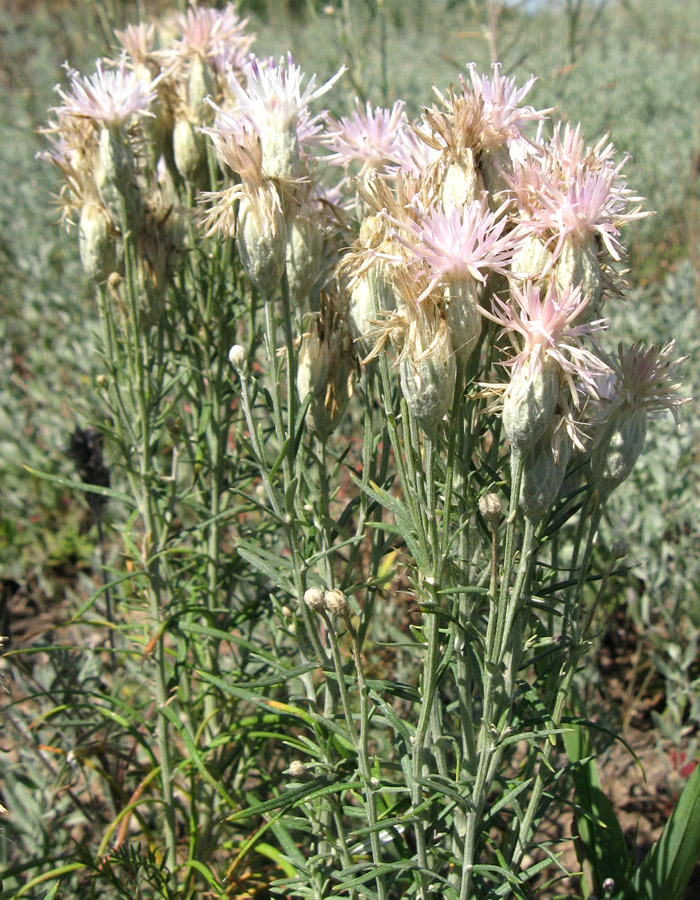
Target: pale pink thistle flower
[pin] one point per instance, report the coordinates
(503, 116)
(457, 244)
(642, 378)
(274, 100)
(138, 41)
(411, 154)
(591, 204)
(566, 154)
(371, 137)
(108, 98)
(642, 386)
(214, 35)
(546, 328)
(549, 352)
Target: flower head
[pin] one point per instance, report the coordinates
(371, 137)
(215, 35)
(458, 243)
(109, 98)
(641, 379)
(546, 328)
(502, 115)
(273, 93)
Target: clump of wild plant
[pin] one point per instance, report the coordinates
(441, 299)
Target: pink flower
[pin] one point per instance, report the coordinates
(110, 98)
(565, 190)
(215, 35)
(371, 137)
(458, 243)
(545, 328)
(641, 379)
(502, 114)
(274, 95)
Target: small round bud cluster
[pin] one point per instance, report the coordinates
(336, 603)
(619, 549)
(490, 507)
(238, 357)
(297, 769)
(314, 599)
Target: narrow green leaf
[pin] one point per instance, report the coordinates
(669, 864)
(280, 458)
(601, 844)
(275, 567)
(82, 486)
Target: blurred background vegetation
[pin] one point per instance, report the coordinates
(630, 68)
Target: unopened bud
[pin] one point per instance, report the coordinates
(619, 549)
(189, 149)
(262, 239)
(462, 183)
(304, 249)
(372, 293)
(116, 179)
(490, 507)
(618, 448)
(314, 599)
(336, 603)
(96, 242)
(463, 317)
(578, 266)
(428, 380)
(529, 406)
(530, 259)
(297, 769)
(544, 468)
(238, 357)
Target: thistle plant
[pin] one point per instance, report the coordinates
(358, 398)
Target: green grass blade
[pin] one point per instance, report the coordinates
(669, 864)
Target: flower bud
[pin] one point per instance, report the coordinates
(578, 265)
(115, 176)
(200, 84)
(544, 468)
(463, 317)
(297, 769)
(314, 599)
(530, 259)
(495, 166)
(238, 357)
(428, 374)
(304, 253)
(461, 183)
(96, 242)
(372, 292)
(618, 448)
(336, 603)
(325, 371)
(262, 239)
(189, 149)
(619, 549)
(529, 405)
(490, 507)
